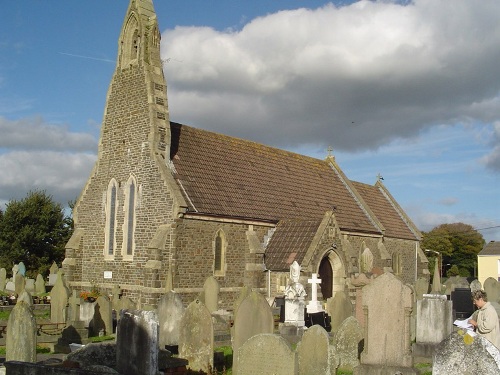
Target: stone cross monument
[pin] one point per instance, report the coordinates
(314, 306)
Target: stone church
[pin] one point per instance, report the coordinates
(167, 199)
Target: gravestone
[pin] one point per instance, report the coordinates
(3, 278)
(461, 353)
(53, 269)
(137, 343)
(196, 337)
(40, 285)
(21, 269)
(348, 343)
(19, 283)
(475, 285)
(492, 289)
(211, 291)
(339, 308)
(21, 334)
(86, 312)
(74, 307)
(244, 292)
(437, 287)
(434, 323)
(462, 303)
(266, 354)
(102, 321)
(170, 313)
(254, 316)
(294, 298)
(421, 288)
(30, 285)
(455, 282)
(10, 286)
(314, 306)
(59, 296)
(387, 304)
(26, 297)
(313, 353)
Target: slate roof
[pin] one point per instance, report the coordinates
(385, 211)
(290, 242)
(491, 248)
(225, 176)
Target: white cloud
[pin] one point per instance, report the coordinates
(61, 174)
(352, 77)
(492, 160)
(34, 134)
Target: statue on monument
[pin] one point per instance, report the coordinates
(295, 289)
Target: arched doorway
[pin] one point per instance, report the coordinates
(332, 273)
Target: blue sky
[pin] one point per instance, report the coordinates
(409, 90)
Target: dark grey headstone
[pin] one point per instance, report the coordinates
(137, 343)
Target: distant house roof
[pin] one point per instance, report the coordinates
(385, 211)
(491, 248)
(226, 176)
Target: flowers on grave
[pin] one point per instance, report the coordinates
(92, 294)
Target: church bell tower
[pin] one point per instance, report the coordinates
(136, 113)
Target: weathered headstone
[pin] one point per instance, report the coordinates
(196, 338)
(475, 285)
(347, 343)
(74, 307)
(102, 321)
(437, 287)
(21, 269)
(20, 283)
(434, 323)
(339, 308)
(254, 316)
(30, 285)
(21, 334)
(266, 354)
(40, 285)
(3, 278)
(421, 287)
(59, 296)
(461, 353)
(492, 289)
(244, 292)
(455, 282)
(170, 313)
(387, 304)
(54, 269)
(10, 286)
(211, 291)
(137, 343)
(313, 353)
(26, 297)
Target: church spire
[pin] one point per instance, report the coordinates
(137, 105)
(139, 38)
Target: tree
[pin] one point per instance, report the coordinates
(458, 244)
(34, 230)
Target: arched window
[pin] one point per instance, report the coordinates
(219, 254)
(131, 42)
(129, 222)
(110, 231)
